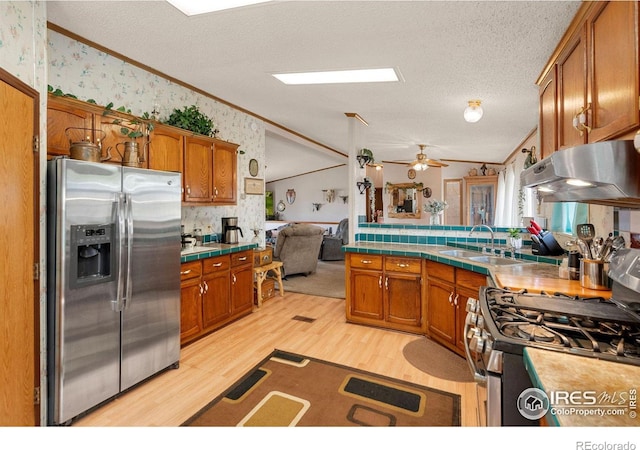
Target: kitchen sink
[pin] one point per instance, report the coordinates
(198, 249)
(497, 260)
(459, 253)
(482, 258)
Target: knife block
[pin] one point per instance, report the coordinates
(548, 246)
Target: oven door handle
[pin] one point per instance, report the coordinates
(477, 375)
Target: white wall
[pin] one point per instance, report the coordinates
(309, 190)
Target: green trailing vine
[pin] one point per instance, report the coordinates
(192, 119)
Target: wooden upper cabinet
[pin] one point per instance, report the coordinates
(572, 91)
(613, 69)
(597, 78)
(225, 169)
(548, 129)
(165, 149)
(198, 161)
(61, 115)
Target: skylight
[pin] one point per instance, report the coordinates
(339, 76)
(195, 7)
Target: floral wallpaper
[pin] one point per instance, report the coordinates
(79, 69)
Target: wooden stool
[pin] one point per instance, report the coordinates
(260, 273)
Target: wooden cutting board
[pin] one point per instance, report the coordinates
(550, 285)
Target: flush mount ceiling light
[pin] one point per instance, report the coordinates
(339, 76)
(473, 112)
(195, 7)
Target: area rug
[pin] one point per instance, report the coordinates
(326, 281)
(286, 389)
(434, 359)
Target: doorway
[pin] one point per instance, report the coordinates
(19, 252)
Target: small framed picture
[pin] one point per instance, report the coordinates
(254, 186)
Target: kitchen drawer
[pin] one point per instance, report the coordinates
(240, 258)
(262, 256)
(268, 289)
(190, 270)
(441, 271)
(364, 261)
(470, 279)
(215, 264)
(399, 264)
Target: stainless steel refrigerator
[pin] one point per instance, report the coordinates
(113, 295)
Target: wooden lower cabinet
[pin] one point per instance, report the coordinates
(241, 282)
(448, 289)
(191, 291)
(216, 298)
(386, 291)
(214, 292)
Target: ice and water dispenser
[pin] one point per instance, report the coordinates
(91, 254)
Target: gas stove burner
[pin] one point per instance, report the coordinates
(628, 348)
(535, 333)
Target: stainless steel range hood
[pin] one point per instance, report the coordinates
(604, 173)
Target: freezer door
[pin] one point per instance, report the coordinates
(84, 326)
(151, 316)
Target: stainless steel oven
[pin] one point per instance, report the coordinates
(500, 323)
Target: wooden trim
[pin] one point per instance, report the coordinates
(306, 173)
(519, 146)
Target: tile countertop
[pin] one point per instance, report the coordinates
(610, 387)
(531, 275)
(213, 249)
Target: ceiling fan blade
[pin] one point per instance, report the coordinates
(434, 163)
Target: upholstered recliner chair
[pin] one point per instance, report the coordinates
(332, 245)
(298, 246)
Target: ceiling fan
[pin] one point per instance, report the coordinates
(423, 163)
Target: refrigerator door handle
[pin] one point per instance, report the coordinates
(129, 244)
(119, 302)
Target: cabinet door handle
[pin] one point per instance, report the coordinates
(216, 264)
(201, 289)
(386, 283)
(455, 300)
(402, 265)
(366, 261)
(188, 190)
(380, 282)
(450, 297)
(215, 191)
(185, 272)
(234, 278)
(206, 287)
(242, 258)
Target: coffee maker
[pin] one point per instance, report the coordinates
(230, 230)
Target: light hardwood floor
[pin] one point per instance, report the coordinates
(212, 364)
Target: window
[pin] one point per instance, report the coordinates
(567, 215)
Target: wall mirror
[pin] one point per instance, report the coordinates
(405, 200)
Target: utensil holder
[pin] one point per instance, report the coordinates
(594, 275)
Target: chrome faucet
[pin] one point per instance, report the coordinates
(490, 231)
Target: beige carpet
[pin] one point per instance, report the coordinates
(287, 389)
(327, 281)
(434, 359)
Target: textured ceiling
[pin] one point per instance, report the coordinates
(448, 52)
